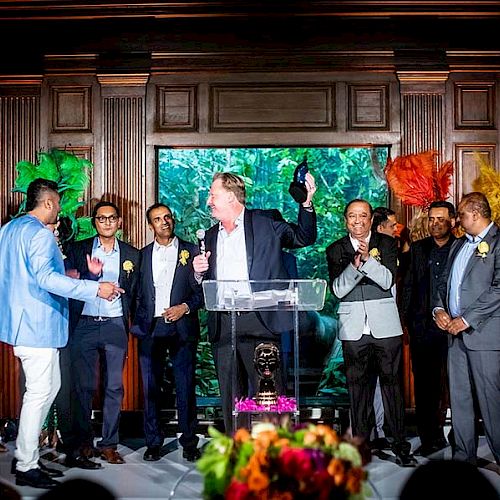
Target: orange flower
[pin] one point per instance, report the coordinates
(335, 467)
(265, 438)
(353, 485)
(242, 435)
(321, 434)
(257, 481)
(354, 478)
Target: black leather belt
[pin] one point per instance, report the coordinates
(96, 318)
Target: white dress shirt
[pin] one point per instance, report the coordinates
(232, 261)
(164, 262)
(355, 245)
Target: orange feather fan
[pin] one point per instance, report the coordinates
(416, 179)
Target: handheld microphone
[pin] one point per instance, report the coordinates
(200, 234)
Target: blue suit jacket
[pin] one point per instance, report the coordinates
(264, 239)
(184, 289)
(33, 286)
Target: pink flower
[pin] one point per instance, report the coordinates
(296, 462)
(237, 491)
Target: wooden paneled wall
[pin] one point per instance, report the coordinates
(118, 120)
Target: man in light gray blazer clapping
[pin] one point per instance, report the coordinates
(362, 267)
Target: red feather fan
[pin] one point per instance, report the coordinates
(417, 180)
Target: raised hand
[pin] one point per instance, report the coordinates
(311, 189)
(95, 265)
(109, 291)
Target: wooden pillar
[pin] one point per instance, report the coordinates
(422, 129)
(19, 140)
(122, 179)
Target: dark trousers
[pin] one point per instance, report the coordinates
(365, 360)
(90, 340)
(243, 376)
(67, 405)
(152, 357)
(428, 357)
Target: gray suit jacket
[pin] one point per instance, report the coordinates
(365, 292)
(479, 293)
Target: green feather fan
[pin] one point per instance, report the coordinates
(71, 174)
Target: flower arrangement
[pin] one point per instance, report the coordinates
(183, 257)
(281, 463)
(482, 249)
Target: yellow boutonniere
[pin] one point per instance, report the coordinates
(482, 249)
(183, 257)
(375, 254)
(128, 267)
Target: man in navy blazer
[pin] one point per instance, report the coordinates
(167, 320)
(97, 327)
(247, 245)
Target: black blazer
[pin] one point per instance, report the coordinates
(76, 258)
(264, 239)
(417, 295)
(184, 289)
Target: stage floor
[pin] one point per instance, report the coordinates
(174, 478)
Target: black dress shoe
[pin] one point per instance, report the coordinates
(403, 456)
(81, 462)
(35, 478)
(48, 470)
(380, 444)
(191, 454)
(152, 454)
(427, 449)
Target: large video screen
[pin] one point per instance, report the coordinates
(342, 174)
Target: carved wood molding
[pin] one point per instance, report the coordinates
(123, 80)
(21, 80)
(36, 9)
(273, 60)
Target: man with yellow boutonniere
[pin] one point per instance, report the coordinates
(167, 321)
(468, 310)
(99, 331)
(362, 269)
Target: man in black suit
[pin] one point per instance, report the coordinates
(428, 344)
(99, 330)
(247, 245)
(167, 320)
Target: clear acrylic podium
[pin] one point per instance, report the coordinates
(274, 296)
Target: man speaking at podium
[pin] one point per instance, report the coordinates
(246, 245)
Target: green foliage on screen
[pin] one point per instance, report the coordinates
(341, 174)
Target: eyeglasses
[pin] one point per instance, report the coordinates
(110, 218)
